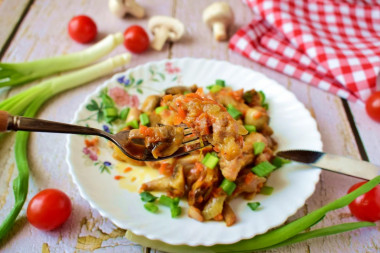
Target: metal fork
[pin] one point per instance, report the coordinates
(121, 139)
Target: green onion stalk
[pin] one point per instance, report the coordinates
(12, 74)
(28, 103)
(290, 233)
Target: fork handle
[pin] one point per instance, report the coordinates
(18, 123)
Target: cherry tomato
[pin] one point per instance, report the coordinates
(82, 29)
(136, 39)
(373, 106)
(367, 206)
(49, 209)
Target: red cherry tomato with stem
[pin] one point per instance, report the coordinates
(49, 209)
(82, 29)
(372, 106)
(367, 206)
(136, 39)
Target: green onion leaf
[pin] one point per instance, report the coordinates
(253, 205)
(263, 169)
(133, 123)
(151, 207)
(228, 186)
(266, 190)
(283, 235)
(210, 160)
(161, 109)
(235, 113)
(147, 197)
(279, 162)
(124, 113)
(250, 128)
(258, 147)
(28, 102)
(144, 119)
(12, 74)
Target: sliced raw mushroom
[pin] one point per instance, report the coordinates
(219, 16)
(165, 28)
(122, 7)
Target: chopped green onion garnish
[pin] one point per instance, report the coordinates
(262, 96)
(263, 169)
(215, 88)
(228, 186)
(258, 147)
(161, 109)
(151, 207)
(168, 201)
(133, 123)
(124, 113)
(147, 197)
(210, 160)
(253, 205)
(266, 190)
(250, 128)
(220, 82)
(235, 113)
(144, 119)
(278, 161)
(186, 92)
(206, 157)
(175, 210)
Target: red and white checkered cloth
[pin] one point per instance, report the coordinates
(334, 45)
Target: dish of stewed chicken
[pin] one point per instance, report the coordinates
(238, 157)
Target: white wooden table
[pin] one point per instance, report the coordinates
(36, 29)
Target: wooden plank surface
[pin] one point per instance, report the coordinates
(86, 230)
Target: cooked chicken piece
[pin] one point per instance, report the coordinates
(248, 183)
(225, 98)
(210, 119)
(174, 185)
(154, 119)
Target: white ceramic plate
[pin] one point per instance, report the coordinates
(293, 126)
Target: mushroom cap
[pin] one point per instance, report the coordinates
(218, 12)
(117, 7)
(175, 27)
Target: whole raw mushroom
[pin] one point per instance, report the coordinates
(122, 7)
(219, 16)
(165, 28)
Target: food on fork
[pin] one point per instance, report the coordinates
(239, 161)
